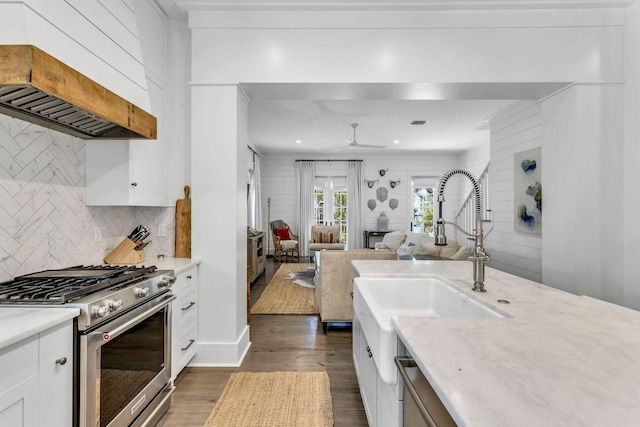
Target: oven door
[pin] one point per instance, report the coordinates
(125, 365)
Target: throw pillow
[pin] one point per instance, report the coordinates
(283, 233)
(325, 237)
(394, 239)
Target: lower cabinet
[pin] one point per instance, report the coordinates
(184, 312)
(382, 402)
(36, 386)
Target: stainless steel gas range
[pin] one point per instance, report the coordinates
(123, 349)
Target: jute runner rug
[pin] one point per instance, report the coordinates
(283, 296)
(274, 399)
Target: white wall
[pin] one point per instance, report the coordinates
(629, 184)
(515, 129)
(582, 158)
(418, 46)
(279, 184)
(219, 221)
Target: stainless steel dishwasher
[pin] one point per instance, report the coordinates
(422, 406)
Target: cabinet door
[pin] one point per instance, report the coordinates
(356, 332)
(19, 404)
(388, 407)
(148, 168)
(56, 376)
(369, 382)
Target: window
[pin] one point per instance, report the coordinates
(423, 189)
(340, 211)
(318, 206)
(330, 203)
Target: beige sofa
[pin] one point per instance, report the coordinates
(334, 282)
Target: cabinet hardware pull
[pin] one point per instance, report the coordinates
(369, 352)
(134, 184)
(191, 304)
(188, 345)
(189, 277)
(61, 361)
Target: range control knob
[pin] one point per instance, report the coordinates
(141, 292)
(100, 311)
(114, 305)
(172, 279)
(163, 283)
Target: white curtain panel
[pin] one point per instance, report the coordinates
(305, 178)
(355, 211)
(251, 198)
(328, 201)
(257, 196)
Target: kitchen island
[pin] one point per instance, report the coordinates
(560, 360)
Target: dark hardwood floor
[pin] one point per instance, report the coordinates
(278, 343)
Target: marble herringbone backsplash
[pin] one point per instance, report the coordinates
(44, 222)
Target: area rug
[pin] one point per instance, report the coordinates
(303, 278)
(283, 296)
(274, 399)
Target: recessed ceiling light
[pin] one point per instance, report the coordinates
(395, 141)
(419, 122)
(298, 141)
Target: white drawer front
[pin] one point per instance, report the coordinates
(185, 278)
(184, 348)
(184, 308)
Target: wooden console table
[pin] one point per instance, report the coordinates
(256, 255)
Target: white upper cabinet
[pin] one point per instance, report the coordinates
(134, 172)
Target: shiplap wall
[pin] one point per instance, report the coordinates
(279, 184)
(99, 38)
(515, 129)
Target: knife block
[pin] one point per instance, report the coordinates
(125, 253)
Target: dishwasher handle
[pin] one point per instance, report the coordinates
(408, 362)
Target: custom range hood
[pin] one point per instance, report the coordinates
(36, 87)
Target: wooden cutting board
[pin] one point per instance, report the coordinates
(183, 225)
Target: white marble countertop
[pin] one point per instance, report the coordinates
(20, 323)
(561, 360)
(171, 263)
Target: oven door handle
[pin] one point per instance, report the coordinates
(139, 318)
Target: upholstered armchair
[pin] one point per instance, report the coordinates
(325, 237)
(285, 243)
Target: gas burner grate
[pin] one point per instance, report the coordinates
(65, 285)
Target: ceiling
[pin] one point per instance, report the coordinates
(320, 115)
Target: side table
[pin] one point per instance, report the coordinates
(369, 243)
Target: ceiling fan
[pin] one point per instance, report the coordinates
(355, 144)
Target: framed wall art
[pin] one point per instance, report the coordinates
(527, 187)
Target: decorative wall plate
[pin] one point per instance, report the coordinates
(372, 204)
(393, 203)
(381, 194)
(383, 171)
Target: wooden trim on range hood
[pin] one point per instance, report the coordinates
(36, 87)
